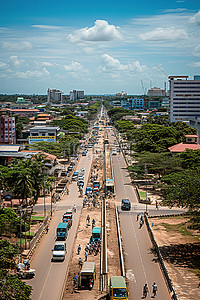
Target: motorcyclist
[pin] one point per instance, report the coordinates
(74, 208)
(47, 229)
(145, 290)
(93, 223)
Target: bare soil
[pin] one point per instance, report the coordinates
(181, 254)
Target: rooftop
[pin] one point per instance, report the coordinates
(181, 147)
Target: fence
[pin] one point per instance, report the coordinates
(161, 261)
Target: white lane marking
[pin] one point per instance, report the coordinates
(138, 248)
(45, 282)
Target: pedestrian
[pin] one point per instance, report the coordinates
(155, 288)
(80, 262)
(88, 220)
(142, 219)
(75, 279)
(79, 249)
(145, 290)
(67, 191)
(156, 204)
(138, 216)
(86, 255)
(141, 223)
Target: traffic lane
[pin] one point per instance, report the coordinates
(141, 263)
(123, 186)
(50, 275)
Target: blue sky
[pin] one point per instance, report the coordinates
(100, 47)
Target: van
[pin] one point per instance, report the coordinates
(87, 275)
(118, 289)
(62, 231)
(96, 234)
(126, 204)
(59, 251)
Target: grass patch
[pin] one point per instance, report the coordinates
(181, 228)
(22, 241)
(142, 194)
(37, 218)
(27, 233)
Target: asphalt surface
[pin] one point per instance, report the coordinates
(140, 262)
(50, 276)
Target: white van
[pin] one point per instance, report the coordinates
(59, 251)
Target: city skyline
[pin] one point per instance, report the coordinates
(101, 49)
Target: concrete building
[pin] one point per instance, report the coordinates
(156, 92)
(184, 98)
(7, 130)
(21, 103)
(43, 134)
(133, 103)
(54, 96)
(76, 95)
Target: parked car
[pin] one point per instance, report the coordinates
(84, 153)
(70, 168)
(88, 190)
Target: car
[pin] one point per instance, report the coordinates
(82, 170)
(118, 150)
(84, 153)
(88, 190)
(70, 168)
(59, 251)
(126, 204)
(114, 152)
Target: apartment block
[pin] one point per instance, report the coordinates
(156, 92)
(7, 130)
(75, 95)
(184, 96)
(54, 95)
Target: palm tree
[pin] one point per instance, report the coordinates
(24, 185)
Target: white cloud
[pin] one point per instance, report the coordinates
(46, 27)
(15, 61)
(196, 51)
(100, 32)
(176, 10)
(73, 67)
(163, 34)
(2, 64)
(47, 64)
(195, 64)
(112, 64)
(195, 18)
(17, 46)
(32, 74)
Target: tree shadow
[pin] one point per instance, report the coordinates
(183, 255)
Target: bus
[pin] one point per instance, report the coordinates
(118, 288)
(61, 231)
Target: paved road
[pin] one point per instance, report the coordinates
(50, 276)
(140, 262)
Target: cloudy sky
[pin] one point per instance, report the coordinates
(101, 47)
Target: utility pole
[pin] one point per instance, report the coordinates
(145, 167)
(44, 201)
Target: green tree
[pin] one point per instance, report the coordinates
(8, 252)
(11, 287)
(182, 189)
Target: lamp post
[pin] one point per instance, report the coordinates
(146, 184)
(51, 199)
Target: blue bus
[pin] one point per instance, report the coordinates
(61, 231)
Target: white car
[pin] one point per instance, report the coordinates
(82, 170)
(59, 251)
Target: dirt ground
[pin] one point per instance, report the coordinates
(180, 253)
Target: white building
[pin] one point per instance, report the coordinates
(54, 95)
(75, 95)
(184, 98)
(43, 134)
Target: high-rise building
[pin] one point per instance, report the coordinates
(7, 130)
(153, 92)
(184, 98)
(75, 95)
(54, 95)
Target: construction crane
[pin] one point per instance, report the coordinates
(161, 69)
(142, 86)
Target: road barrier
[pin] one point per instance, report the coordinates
(161, 261)
(120, 243)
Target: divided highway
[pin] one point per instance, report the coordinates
(141, 264)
